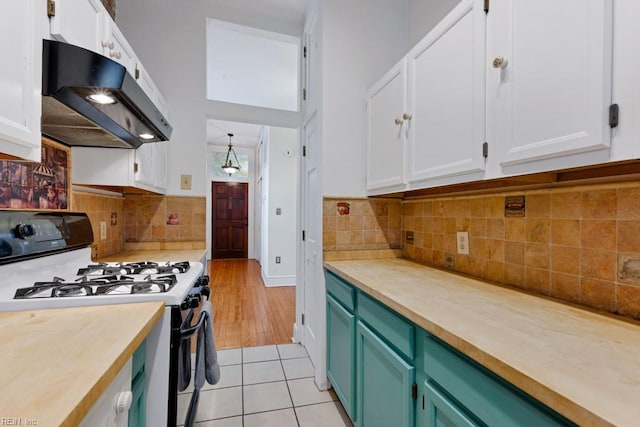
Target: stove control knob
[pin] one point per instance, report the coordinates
(123, 402)
(24, 230)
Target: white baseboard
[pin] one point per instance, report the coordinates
(272, 281)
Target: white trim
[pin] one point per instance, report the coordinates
(82, 189)
(272, 281)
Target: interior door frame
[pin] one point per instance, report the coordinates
(250, 180)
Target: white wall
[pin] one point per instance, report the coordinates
(251, 66)
(280, 177)
(424, 15)
(169, 39)
(360, 39)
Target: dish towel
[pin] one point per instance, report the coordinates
(206, 355)
(184, 364)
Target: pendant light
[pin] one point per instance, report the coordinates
(228, 166)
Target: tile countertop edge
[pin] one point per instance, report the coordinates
(577, 406)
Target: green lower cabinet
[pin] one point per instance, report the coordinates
(456, 391)
(384, 383)
(138, 409)
(341, 340)
(442, 412)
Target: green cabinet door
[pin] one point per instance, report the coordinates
(341, 338)
(442, 412)
(384, 383)
(138, 409)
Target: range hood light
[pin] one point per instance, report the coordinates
(147, 136)
(101, 98)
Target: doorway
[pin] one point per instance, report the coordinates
(229, 219)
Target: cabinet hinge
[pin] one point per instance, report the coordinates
(423, 402)
(51, 8)
(304, 94)
(485, 149)
(304, 52)
(302, 318)
(414, 391)
(137, 74)
(486, 6)
(304, 151)
(614, 111)
(303, 236)
(135, 167)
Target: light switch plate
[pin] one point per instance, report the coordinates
(185, 182)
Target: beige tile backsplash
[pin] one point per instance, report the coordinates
(580, 244)
(142, 218)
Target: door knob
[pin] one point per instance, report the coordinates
(499, 62)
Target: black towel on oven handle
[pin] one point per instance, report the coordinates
(206, 356)
(184, 364)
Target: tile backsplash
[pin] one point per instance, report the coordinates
(578, 244)
(141, 218)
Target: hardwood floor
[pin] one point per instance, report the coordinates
(246, 313)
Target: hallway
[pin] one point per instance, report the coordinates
(246, 313)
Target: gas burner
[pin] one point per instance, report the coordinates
(143, 267)
(148, 285)
(71, 290)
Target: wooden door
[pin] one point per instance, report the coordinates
(229, 219)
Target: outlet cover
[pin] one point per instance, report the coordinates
(277, 260)
(462, 239)
(103, 230)
(185, 182)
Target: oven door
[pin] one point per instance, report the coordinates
(187, 321)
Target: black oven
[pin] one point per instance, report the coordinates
(184, 327)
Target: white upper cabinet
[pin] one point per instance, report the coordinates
(447, 99)
(81, 23)
(549, 83)
(22, 26)
(116, 47)
(386, 131)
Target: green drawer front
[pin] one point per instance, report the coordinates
(488, 397)
(398, 331)
(340, 290)
(138, 359)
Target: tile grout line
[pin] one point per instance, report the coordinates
(286, 381)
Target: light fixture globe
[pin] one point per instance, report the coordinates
(228, 166)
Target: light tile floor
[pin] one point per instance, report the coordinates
(263, 387)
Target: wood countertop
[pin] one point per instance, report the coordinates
(156, 255)
(56, 363)
(583, 364)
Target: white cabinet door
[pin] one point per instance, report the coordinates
(144, 164)
(447, 99)
(160, 165)
(386, 131)
(79, 22)
(116, 47)
(21, 78)
(149, 87)
(551, 97)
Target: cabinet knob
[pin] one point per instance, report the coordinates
(499, 62)
(104, 43)
(407, 116)
(399, 121)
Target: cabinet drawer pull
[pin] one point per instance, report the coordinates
(499, 62)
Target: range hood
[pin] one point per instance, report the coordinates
(91, 100)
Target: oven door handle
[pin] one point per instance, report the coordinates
(187, 332)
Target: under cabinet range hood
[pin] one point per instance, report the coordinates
(91, 100)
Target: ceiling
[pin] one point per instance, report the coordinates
(244, 134)
(289, 10)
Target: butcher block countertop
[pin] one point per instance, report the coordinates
(56, 363)
(583, 364)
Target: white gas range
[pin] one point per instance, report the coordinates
(45, 262)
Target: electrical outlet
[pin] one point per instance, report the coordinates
(462, 238)
(103, 230)
(277, 260)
